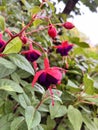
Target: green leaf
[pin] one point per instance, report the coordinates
(29, 115)
(28, 6)
(84, 44)
(24, 100)
(4, 124)
(50, 123)
(57, 110)
(23, 74)
(89, 123)
(2, 23)
(51, 6)
(39, 127)
(37, 22)
(15, 77)
(96, 122)
(14, 46)
(35, 10)
(21, 62)
(39, 88)
(43, 108)
(9, 85)
(32, 117)
(76, 41)
(16, 123)
(72, 84)
(6, 67)
(88, 84)
(8, 106)
(75, 117)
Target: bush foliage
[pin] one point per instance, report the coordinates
(70, 104)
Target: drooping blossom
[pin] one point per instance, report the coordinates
(2, 43)
(48, 76)
(52, 32)
(31, 54)
(64, 48)
(68, 25)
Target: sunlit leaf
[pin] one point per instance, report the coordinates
(88, 84)
(2, 23)
(9, 85)
(13, 46)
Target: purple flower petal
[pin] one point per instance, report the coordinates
(46, 79)
(32, 56)
(64, 50)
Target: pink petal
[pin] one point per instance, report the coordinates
(46, 63)
(0, 35)
(55, 73)
(30, 46)
(35, 65)
(36, 77)
(65, 44)
(36, 51)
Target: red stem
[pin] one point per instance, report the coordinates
(25, 28)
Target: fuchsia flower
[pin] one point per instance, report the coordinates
(48, 76)
(68, 25)
(31, 54)
(64, 48)
(2, 43)
(52, 32)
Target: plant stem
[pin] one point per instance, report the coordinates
(25, 28)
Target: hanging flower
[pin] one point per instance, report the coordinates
(68, 25)
(2, 43)
(64, 48)
(48, 76)
(52, 32)
(31, 54)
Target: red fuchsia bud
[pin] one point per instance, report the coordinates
(24, 39)
(2, 43)
(68, 25)
(31, 54)
(52, 32)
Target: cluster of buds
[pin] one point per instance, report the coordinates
(52, 31)
(64, 47)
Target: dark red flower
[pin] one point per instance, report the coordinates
(48, 76)
(52, 32)
(31, 54)
(64, 48)
(68, 25)
(2, 43)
